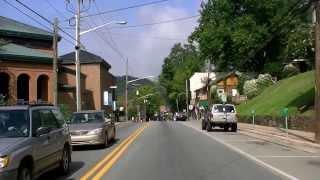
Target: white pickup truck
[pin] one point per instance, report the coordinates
(221, 115)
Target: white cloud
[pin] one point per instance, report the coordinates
(148, 53)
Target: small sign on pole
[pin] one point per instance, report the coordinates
(285, 113)
(253, 113)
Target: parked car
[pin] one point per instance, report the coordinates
(180, 116)
(91, 128)
(221, 115)
(33, 140)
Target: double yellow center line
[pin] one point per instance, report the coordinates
(102, 167)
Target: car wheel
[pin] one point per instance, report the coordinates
(203, 127)
(24, 173)
(114, 134)
(226, 128)
(208, 127)
(106, 141)
(234, 128)
(65, 161)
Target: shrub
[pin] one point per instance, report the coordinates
(250, 88)
(65, 110)
(289, 70)
(263, 81)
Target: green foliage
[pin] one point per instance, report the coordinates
(66, 111)
(178, 67)
(294, 93)
(274, 68)
(235, 33)
(149, 96)
(289, 70)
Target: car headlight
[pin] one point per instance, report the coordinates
(4, 161)
(95, 131)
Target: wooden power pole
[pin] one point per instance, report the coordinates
(317, 69)
(55, 62)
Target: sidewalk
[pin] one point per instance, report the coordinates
(297, 139)
(301, 140)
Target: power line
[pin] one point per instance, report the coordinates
(157, 23)
(135, 36)
(35, 20)
(55, 9)
(108, 31)
(44, 18)
(126, 8)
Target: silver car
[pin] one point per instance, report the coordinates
(91, 128)
(33, 139)
(221, 115)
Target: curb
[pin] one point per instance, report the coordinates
(284, 141)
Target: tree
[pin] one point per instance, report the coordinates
(179, 66)
(235, 33)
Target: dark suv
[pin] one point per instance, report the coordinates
(33, 139)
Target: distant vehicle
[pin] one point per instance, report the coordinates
(91, 128)
(221, 115)
(180, 116)
(33, 140)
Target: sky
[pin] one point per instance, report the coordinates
(144, 47)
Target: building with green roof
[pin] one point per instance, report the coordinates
(25, 62)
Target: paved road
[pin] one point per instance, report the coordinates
(85, 157)
(176, 150)
(170, 150)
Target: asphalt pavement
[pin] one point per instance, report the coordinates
(170, 150)
(182, 151)
(84, 157)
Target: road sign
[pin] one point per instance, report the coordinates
(253, 112)
(285, 112)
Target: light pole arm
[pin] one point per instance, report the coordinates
(139, 79)
(98, 27)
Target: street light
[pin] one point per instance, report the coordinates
(103, 25)
(126, 90)
(77, 51)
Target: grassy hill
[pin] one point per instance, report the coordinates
(296, 93)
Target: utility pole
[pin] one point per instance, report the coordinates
(126, 90)
(55, 62)
(187, 99)
(208, 82)
(317, 69)
(77, 61)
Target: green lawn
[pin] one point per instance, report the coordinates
(293, 93)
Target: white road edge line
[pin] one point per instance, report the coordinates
(288, 156)
(249, 156)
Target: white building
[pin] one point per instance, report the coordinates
(197, 81)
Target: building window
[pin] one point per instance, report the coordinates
(23, 87)
(42, 88)
(4, 85)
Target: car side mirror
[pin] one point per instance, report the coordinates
(42, 130)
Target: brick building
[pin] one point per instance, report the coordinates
(95, 80)
(26, 70)
(25, 62)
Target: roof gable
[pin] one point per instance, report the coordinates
(10, 27)
(11, 51)
(85, 58)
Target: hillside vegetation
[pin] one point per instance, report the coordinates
(296, 93)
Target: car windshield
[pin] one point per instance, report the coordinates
(14, 123)
(224, 108)
(80, 118)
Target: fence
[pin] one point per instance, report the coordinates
(303, 123)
